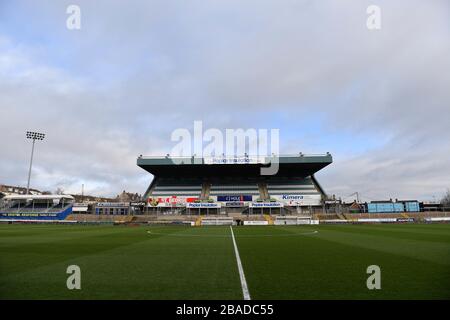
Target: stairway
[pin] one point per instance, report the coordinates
(289, 210)
(206, 188)
(341, 216)
(269, 219)
(198, 222)
(349, 217)
(263, 192)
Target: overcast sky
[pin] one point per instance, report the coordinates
(378, 100)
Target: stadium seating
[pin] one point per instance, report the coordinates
(236, 186)
(279, 186)
(37, 208)
(328, 216)
(177, 187)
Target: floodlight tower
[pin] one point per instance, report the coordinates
(33, 136)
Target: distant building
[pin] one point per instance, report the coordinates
(355, 207)
(128, 197)
(14, 190)
(90, 199)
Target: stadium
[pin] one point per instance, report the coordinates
(223, 191)
(229, 151)
(234, 186)
(218, 229)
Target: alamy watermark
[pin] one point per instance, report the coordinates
(232, 146)
(373, 21)
(73, 21)
(74, 280)
(374, 280)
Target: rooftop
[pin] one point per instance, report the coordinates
(289, 165)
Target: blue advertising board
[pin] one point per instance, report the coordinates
(385, 207)
(234, 198)
(412, 206)
(36, 215)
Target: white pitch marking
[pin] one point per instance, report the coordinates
(241, 236)
(244, 286)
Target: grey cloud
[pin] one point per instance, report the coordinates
(136, 71)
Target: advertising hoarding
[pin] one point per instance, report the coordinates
(299, 199)
(235, 204)
(265, 205)
(205, 205)
(173, 201)
(233, 198)
(234, 160)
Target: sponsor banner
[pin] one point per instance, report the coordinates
(167, 204)
(405, 219)
(285, 222)
(28, 215)
(80, 209)
(173, 201)
(335, 221)
(230, 198)
(438, 219)
(378, 220)
(256, 223)
(217, 222)
(36, 215)
(299, 199)
(112, 204)
(203, 205)
(235, 160)
(265, 205)
(137, 204)
(294, 220)
(236, 204)
(385, 207)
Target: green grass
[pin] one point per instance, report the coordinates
(119, 262)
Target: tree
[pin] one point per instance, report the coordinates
(59, 191)
(446, 199)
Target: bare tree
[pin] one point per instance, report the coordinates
(446, 199)
(59, 191)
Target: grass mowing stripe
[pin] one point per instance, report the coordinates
(244, 285)
(149, 267)
(315, 268)
(33, 254)
(121, 262)
(436, 252)
(401, 232)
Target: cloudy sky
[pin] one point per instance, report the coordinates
(378, 100)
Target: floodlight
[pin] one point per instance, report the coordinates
(32, 135)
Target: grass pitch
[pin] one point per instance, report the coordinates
(292, 262)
